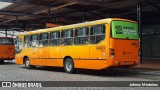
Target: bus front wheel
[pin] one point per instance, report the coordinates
(27, 64)
(69, 65)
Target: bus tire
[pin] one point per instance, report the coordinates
(69, 65)
(27, 64)
(1, 61)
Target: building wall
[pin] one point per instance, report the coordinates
(151, 42)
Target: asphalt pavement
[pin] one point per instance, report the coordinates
(9, 71)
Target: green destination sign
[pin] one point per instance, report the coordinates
(124, 30)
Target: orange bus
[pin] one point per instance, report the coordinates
(7, 49)
(99, 44)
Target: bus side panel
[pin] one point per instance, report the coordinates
(39, 55)
(43, 53)
(75, 52)
(57, 62)
(90, 64)
(34, 56)
(79, 52)
(7, 52)
(98, 51)
(49, 62)
(55, 56)
(47, 56)
(12, 52)
(80, 56)
(19, 59)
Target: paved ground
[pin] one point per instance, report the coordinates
(9, 71)
(149, 64)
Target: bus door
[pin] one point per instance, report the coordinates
(81, 48)
(98, 43)
(34, 49)
(55, 49)
(43, 47)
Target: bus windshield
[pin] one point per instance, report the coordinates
(6, 41)
(124, 30)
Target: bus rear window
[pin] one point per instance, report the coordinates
(6, 41)
(124, 30)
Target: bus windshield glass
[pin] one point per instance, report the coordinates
(6, 41)
(124, 30)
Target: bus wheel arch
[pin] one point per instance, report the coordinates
(24, 58)
(26, 61)
(68, 64)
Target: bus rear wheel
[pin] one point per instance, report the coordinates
(27, 64)
(69, 65)
(1, 61)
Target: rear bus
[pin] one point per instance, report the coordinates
(124, 43)
(7, 49)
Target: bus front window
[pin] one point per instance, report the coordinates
(6, 41)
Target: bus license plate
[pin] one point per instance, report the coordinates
(4, 52)
(126, 63)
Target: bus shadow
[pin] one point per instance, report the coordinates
(8, 63)
(104, 73)
(47, 68)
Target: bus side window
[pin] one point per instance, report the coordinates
(97, 34)
(43, 39)
(67, 37)
(27, 40)
(55, 38)
(7, 41)
(34, 40)
(81, 36)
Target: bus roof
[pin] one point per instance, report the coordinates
(72, 26)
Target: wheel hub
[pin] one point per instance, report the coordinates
(27, 63)
(68, 66)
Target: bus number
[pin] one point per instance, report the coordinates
(101, 48)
